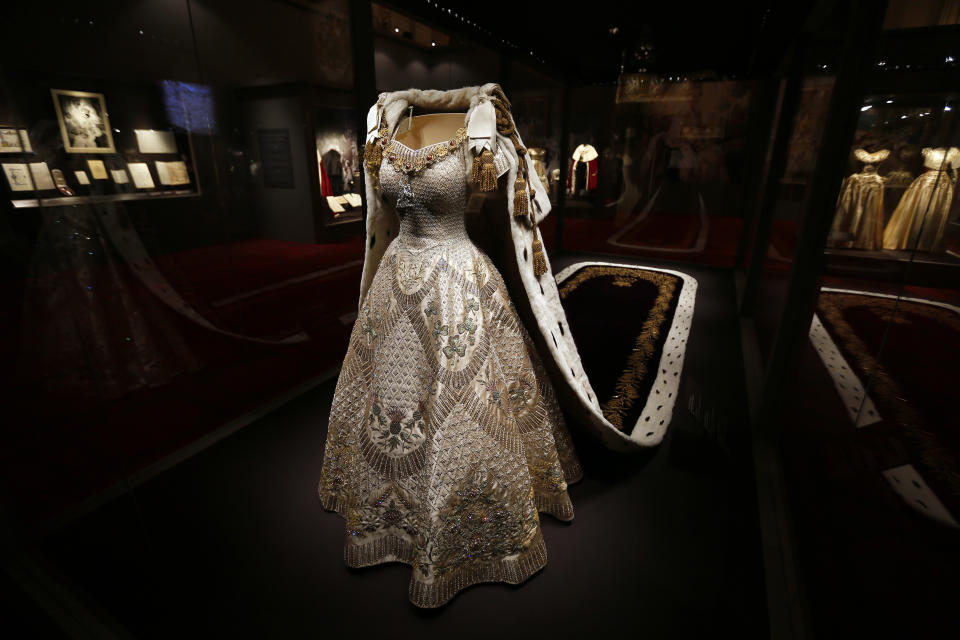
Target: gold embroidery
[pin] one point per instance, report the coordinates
(626, 390)
(406, 160)
(925, 445)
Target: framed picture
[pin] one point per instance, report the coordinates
(10, 141)
(84, 123)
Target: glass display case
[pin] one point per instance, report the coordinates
(754, 232)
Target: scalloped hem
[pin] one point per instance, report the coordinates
(510, 570)
(389, 548)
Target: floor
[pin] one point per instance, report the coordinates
(234, 543)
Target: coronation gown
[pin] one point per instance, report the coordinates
(445, 436)
(858, 222)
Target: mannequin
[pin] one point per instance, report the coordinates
(920, 219)
(583, 170)
(858, 222)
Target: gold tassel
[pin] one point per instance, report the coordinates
(475, 173)
(539, 260)
(520, 197)
(488, 172)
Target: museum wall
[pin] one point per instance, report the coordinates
(400, 66)
(284, 213)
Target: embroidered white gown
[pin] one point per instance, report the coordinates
(445, 436)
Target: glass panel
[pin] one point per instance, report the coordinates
(182, 239)
(657, 167)
(869, 430)
(787, 215)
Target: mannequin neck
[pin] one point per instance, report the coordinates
(427, 129)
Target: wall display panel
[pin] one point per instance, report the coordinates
(338, 163)
(72, 134)
(135, 292)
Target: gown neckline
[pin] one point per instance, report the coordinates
(393, 134)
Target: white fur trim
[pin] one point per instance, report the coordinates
(871, 158)
(657, 412)
(373, 119)
(585, 153)
(858, 403)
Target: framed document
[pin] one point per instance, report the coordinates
(83, 120)
(18, 176)
(97, 169)
(41, 176)
(152, 141)
(25, 141)
(119, 176)
(173, 173)
(10, 141)
(140, 173)
(82, 177)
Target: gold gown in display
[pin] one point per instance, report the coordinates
(920, 219)
(445, 436)
(860, 211)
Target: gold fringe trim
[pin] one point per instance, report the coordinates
(475, 172)
(487, 179)
(539, 260)
(520, 208)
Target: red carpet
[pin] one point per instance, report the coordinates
(881, 339)
(68, 446)
(662, 236)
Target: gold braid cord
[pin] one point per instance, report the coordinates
(373, 150)
(522, 205)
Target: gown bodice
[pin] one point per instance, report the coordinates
(430, 202)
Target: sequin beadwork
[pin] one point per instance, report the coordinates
(445, 437)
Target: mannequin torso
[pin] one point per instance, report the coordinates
(431, 128)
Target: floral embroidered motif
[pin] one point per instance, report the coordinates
(494, 389)
(410, 272)
(520, 392)
(392, 509)
(367, 324)
(394, 430)
(454, 348)
(481, 522)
